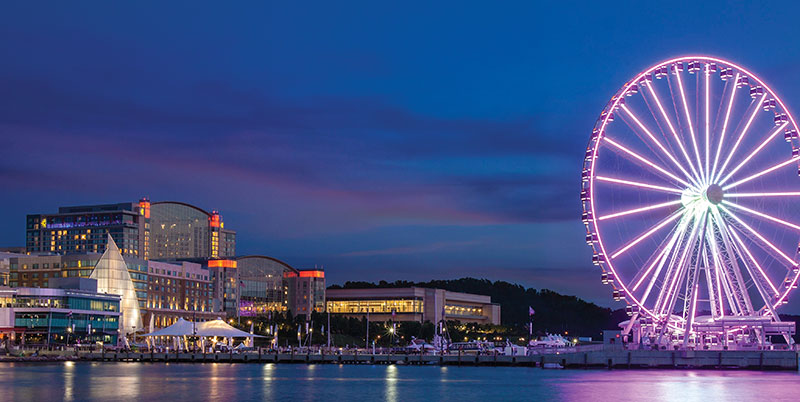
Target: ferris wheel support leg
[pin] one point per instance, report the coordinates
(627, 329)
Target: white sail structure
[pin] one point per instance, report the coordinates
(113, 277)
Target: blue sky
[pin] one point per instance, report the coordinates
(380, 140)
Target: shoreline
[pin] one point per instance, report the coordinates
(606, 359)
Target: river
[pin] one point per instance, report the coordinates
(79, 381)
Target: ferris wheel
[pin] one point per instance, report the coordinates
(690, 195)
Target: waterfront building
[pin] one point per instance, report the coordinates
(306, 291)
(264, 285)
(178, 290)
(182, 231)
(83, 229)
(255, 285)
(413, 304)
(111, 274)
(5, 266)
(164, 291)
(74, 313)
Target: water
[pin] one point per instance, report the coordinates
(299, 382)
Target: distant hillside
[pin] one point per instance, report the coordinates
(554, 312)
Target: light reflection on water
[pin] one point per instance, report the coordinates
(298, 382)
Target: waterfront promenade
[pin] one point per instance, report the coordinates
(598, 358)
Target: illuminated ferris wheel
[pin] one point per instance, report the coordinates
(690, 195)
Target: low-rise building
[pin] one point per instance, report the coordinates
(51, 316)
(413, 304)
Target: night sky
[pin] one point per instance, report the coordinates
(381, 140)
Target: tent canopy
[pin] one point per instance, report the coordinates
(180, 328)
(216, 327)
(219, 327)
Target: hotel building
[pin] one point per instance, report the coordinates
(83, 229)
(181, 231)
(264, 285)
(413, 304)
(159, 230)
(176, 290)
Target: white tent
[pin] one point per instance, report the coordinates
(216, 327)
(180, 328)
(221, 328)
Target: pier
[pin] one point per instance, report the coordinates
(610, 359)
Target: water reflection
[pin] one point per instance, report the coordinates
(69, 381)
(255, 382)
(391, 383)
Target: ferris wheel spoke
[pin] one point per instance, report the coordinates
(689, 122)
(756, 108)
(661, 257)
(760, 270)
(758, 235)
(680, 235)
(763, 215)
(681, 271)
(639, 184)
(708, 119)
(725, 123)
(672, 129)
(776, 194)
(638, 210)
(761, 173)
(665, 222)
(657, 142)
(646, 161)
(754, 152)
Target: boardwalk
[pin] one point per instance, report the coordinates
(615, 359)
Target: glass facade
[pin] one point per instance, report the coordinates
(56, 316)
(179, 230)
(385, 306)
(263, 286)
(463, 310)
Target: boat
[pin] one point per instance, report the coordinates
(470, 348)
(550, 341)
(510, 349)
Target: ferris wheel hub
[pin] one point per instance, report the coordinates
(713, 194)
